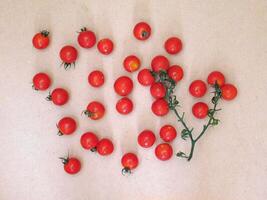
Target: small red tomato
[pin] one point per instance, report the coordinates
(105, 147)
(41, 81)
(123, 86)
(86, 38)
(142, 31)
(198, 88)
(160, 63)
(200, 110)
(176, 73)
(157, 90)
(66, 126)
(214, 77)
(163, 151)
(160, 107)
(41, 40)
(59, 96)
(145, 77)
(146, 139)
(229, 91)
(96, 78)
(68, 55)
(124, 106)
(173, 45)
(105, 46)
(129, 162)
(71, 165)
(95, 110)
(131, 63)
(89, 141)
(168, 133)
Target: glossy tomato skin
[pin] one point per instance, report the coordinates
(66, 126)
(105, 46)
(96, 78)
(105, 147)
(145, 77)
(214, 77)
(176, 73)
(41, 40)
(198, 88)
(72, 165)
(163, 151)
(68, 54)
(157, 90)
(168, 133)
(59, 96)
(142, 31)
(86, 38)
(89, 141)
(95, 110)
(123, 86)
(129, 161)
(41, 81)
(173, 45)
(124, 106)
(200, 110)
(160, 107)
(229, 92)
(160, 63)
(131, 63)
(146, 139)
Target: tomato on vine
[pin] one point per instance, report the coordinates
(89, 141)
(160, 107)
(229, 91)
(168, 133)
(41, 81)
(157, 90)
(146, 139)
(86, 38)
(160, 63)
(68, 55)
(41, 40)
(105, 147)
(131, 63)
(66, 126)
(198, 88)
(96, 78)
(142, 31)
(216, 77)
(59, 96)
(95, 110)
(129, 162)
(145, 77)
(163, 151)
(176, 73)
(200, 110)
(123, 86)
(71, 165)
(173, 45)
(124, 106)
(105, 46)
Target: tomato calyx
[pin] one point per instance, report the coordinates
(67, 65)
(45, 33)
(126, 171)
(83, 29)
(64, 160)
(93, 149)
(144, 34)
(49, 97)
(34, 88)
(87, 113)
(59, 133)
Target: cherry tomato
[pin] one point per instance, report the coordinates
(173, 45)
(145, 77)
(168, 133)
(129, 162)
(66, 126)
(89, 141)
(41, 81)
(142, 31)
(160, 107)
(124, 106)
(105, 46)
(105, 147)
(157, 90)
(123, 86)
(96, 78)
(95, 110)
(198, 88)
(176, 73)
(41, 40)
(59, 96)
(146, 139)
(68, 55)
(200, 110)
(160, 63)
(131, 63)
(216, 76)
(163, 151)
(86, 38)
(71, 165)
(229, 91)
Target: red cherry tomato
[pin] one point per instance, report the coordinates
(173, 45)
(163, 151)
(89, 141)
(160, 107)
(229, 91)
(68, 55)
(200, 110)
(86, 38)
(168, 133)
(71, 165)
(59, 96)
(41, 40)
(146, 139)
(160, 63)
(124, 106)
(129, 162)
(145, 77)
(105, 46)
(66, 126)
(95, 110)
(157, 90)
(123, 86)
(131, 63)
(176, 73)
(41, 81)
(142, 31)
(216, 76)
(105, 147)
(198, 88)
(96, 78)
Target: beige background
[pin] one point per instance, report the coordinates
(230, 161)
